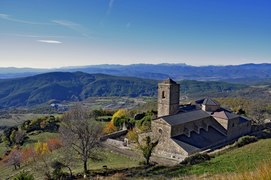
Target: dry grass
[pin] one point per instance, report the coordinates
(260, 173)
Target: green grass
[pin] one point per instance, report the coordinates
(2, 149)
(42, 137)
(111, 159)
(236, 160)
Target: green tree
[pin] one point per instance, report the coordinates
(147, 148)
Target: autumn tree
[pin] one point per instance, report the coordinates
(41, 153)
(81, 133)
(28, 154)
(54, 143)
(109, 128)
(120, 114)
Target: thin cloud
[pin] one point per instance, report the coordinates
(10, 18)
(73, 26)
(110, 6)
(50, 41)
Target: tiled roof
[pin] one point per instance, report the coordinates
(169, 81)
(210, 102)
(225, 115)
(185, 117)
(243, 119)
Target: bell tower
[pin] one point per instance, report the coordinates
(168, 97)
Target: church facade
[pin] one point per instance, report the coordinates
(188, 129)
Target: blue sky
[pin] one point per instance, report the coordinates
(57, 33)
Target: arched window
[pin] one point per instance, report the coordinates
(160, 131)
(163, 95)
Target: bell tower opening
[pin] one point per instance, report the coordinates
(163, 95)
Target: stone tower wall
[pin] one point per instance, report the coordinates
(168, 98)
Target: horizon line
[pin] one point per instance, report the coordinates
(113, 64)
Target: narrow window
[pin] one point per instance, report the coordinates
(163, 95)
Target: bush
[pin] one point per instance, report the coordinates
(24, 176)
(266, 133)
(195, 159)
(245, 140)
(109, 128)
(47, 123)
(132, 136)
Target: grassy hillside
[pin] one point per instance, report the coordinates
(76, 86)
(69, 87)
(238, 160)
(104, 157)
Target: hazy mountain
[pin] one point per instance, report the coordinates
(66, 86)
(246, 73)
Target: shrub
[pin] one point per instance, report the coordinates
(195, 159)
(47, 123)
(109, 128)
(24, 176)
(266, 133)
(121, 113)
(132, 136)
(245, 140)
(54, 143)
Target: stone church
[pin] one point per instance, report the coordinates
(187, 129)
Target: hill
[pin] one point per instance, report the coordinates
(66, 86)
(244, 74)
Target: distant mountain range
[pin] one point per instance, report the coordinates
(67, 86)
(245, 73)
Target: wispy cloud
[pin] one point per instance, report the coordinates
(110, 6)
(50, 41)
(31, 35)
(10, 18)
(73, 26)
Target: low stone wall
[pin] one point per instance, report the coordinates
(114, 135)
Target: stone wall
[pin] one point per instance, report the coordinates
(210, 108)
(168, 99)
(114, 135)
(166, 147)
(239, 129)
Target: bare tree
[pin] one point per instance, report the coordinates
(81, 133)
(257, 111)
(15, 159)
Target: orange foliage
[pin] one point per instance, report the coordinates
(54, 143)
(109, 128)
(27, 154)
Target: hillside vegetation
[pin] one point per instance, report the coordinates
(64, 86)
